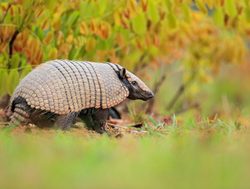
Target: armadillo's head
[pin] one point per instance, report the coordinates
(137, 88)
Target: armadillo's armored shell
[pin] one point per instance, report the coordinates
(70, 86)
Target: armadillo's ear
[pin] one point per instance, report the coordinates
(122, 73)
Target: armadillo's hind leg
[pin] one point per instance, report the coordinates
(21, 115)
(64, 122)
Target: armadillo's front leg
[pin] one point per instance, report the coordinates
(95, 120)
(64, 122)
(99, 120)
(114, 113)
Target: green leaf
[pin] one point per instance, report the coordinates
(15, 59)
(171, 20)
(133, 57)
(39, 32)
(27, 4)
(50, 4)
(87, 10)
(168, 4)
(3, 79)
(230, 8)
(24, 62)
(3, 60)
(139, 24)
(102, 6)
(186, 12)
(17, 18)
(219, 16)
(73, 18)
(73, 53)
(1, 13)
(101, 44)
(201, 5)
(25, 71)
(8, 19)
(12, 81)
(152, 50)
(124, 32)
(247, 14)
(153, 12)
(105, 44)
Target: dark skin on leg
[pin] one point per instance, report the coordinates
(97, 120)
(94, 118)
(64, 122)
(42, 118)
(113, 112)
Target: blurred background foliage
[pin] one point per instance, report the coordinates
(178, 47)
(194, 54)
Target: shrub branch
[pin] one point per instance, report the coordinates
(5, 14)
(179, 93)
(155, 90)
(11, 43)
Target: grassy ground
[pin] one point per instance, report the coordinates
(189, 155)
(185, 152)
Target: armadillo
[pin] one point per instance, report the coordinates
(62, 90)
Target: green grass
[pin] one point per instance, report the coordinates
(178, 156)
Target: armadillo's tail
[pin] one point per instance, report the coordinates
(20, 115)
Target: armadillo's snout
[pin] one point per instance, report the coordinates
(148, 95)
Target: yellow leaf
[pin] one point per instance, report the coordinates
(53, 53)
(70, 38)
(90, 44)
(84, 28)
(48, 38)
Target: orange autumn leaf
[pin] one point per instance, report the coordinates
(83, 28)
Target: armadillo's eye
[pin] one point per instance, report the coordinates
(134, 83)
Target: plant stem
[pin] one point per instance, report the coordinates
(179, 93)
(11, 43)
(155, 90)
(194, 105)
(5, 14)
